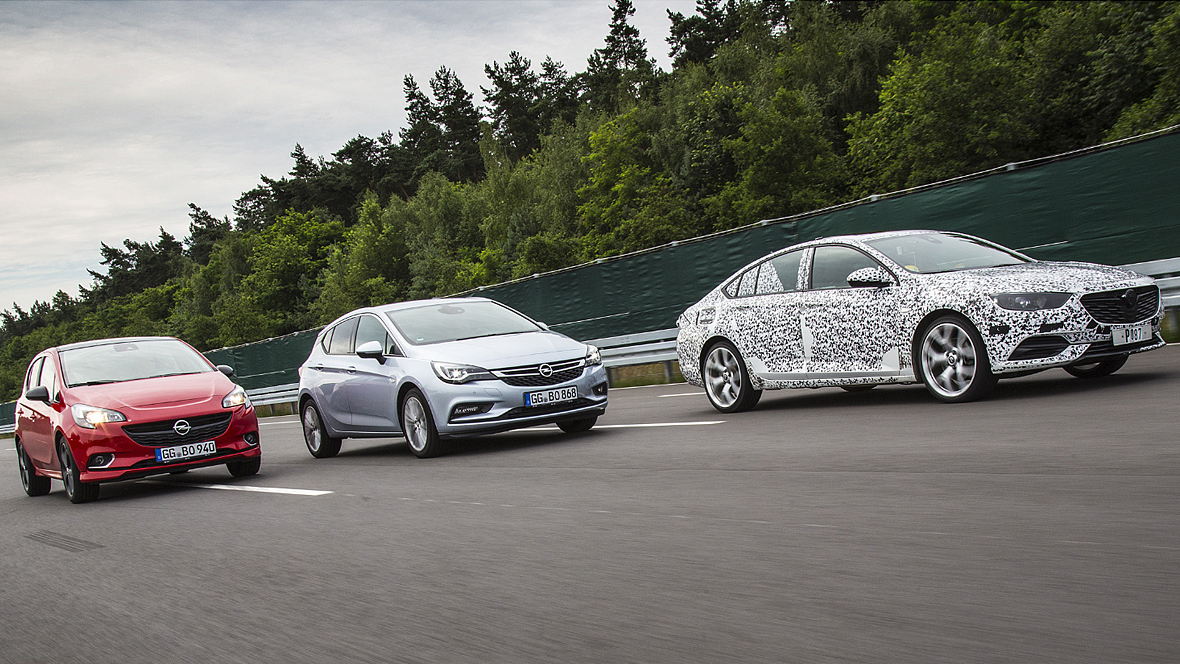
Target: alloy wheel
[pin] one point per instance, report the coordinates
(948, 359)
(723, 377)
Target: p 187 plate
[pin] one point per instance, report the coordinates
(1120, 336)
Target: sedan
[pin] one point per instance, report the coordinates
(949, 310)
(119, 409)
(431, 370)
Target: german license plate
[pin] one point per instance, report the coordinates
(182, 452)
(1120, 336)
(551, 396)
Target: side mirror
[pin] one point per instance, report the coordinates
(543, 326)
(39, 393)
(226, 369)
(371, 350)
(870, 277)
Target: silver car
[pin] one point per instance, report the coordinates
(949, 310)
(444, 368)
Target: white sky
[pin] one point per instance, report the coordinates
(114, 116)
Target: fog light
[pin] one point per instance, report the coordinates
(251, 438)
(600, 389)
(100, 461)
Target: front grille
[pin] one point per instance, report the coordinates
(162, 434)
(1037, 348)
(1126, 305)
(530, 376)
(530, 411)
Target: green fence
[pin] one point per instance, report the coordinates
(7, 415)
(266, 363)
(1114, 205)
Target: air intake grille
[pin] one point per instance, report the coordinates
(163, 433)
(1126, 305)
(532, 376)
(1037, 348)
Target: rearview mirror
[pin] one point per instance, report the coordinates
(371, 350)
(39, 393)
(226, 369)
(869, 277)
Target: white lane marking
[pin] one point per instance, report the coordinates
(243, 487)
(682, 394)
(633, 426)
(262, 424)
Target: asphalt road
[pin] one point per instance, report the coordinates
(1041, 525)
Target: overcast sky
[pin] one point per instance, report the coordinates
(114, 116)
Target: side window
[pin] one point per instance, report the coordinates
(326, 340)
(732, 287)
(833, 263)
(341, 343)
(746, 287)
(49, 379)
(780, 274)
(33, 378)
(371, 329)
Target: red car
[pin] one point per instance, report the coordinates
(120, 409)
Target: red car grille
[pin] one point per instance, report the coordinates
(163, 433)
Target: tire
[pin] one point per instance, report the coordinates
(76, 490)
(727, 381)
(34, 484)
(315, 434)
(578, 426)
(858, 388)
(418, 426)
(1097, 369)
(952, 360)
(244, 468)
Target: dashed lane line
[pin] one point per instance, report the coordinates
(243, 487)
(681, 394)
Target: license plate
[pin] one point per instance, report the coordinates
(551, 396)
(1128, 335)
(182, 452)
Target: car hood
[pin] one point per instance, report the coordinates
(507, 350)
(1042, 276)
(161, 393)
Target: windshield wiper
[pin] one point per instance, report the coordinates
(93, 382)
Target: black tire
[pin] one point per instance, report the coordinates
(578, 426)
(34, 484)
(1097, 369)
(858, 388)
(244, 468)
(418, 426)
(315, 434)
(952, 360)
(76, 490)
(727, 381)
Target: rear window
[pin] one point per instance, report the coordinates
(454, 321)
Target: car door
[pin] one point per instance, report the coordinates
(35, 419)
(370, 384)
(331, 372)
(848, 332)
(770, 318)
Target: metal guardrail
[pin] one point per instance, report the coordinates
(1167, 276)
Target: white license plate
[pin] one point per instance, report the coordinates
(1128, 335)
(182, 452)
(551, 396)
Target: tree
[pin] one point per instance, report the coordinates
(619, 73)
(442, 135)
(203, 232)
(140, 265)
(513, 98)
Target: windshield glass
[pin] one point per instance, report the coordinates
(924, 253)
(437, 323)
(130, 360)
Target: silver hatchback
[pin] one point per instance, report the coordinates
(444, 368)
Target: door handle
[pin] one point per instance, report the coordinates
(351, 370)
(316, 367)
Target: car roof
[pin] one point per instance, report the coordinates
(107, 342)
(409, 304)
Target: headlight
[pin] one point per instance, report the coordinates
(90, 416)
(237, 397)
(1030, 301)
(593, 356)
(460, 373)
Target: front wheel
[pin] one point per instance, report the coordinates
(315, 434)
(578, 426)
(1097, 369)
(418, 426)
(953, 360)
(727, 382)
(76, 490)
(34, 484)
(244, 468)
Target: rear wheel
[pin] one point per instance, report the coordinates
(34, 484)
(244, 468)
(76, 490)
(1097, 369)
(953, 360)
(578, 426)
(727, 382)
(418, 426)
(315, 434)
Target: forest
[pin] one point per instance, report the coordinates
(771, 108)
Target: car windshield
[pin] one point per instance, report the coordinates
(924, 253)
(130, 360)
(436, 323)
